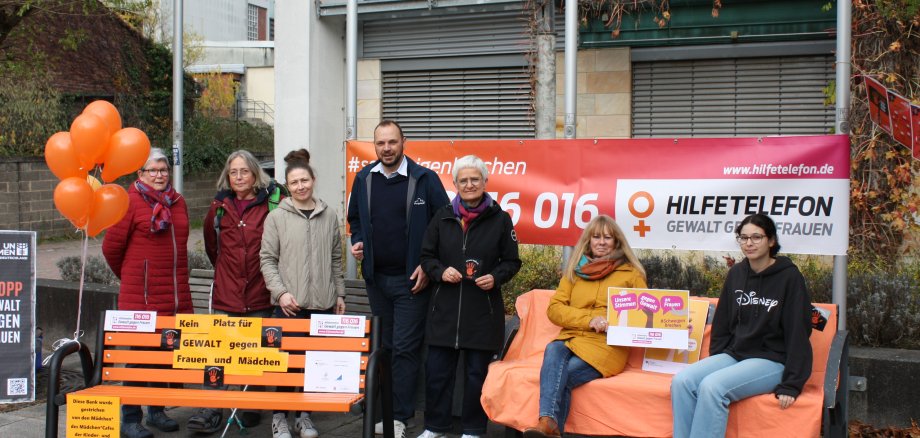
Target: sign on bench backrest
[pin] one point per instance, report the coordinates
(185, 349)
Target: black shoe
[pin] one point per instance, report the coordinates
(159, 420)
(134, 430)
(250, 418)
(205, 421)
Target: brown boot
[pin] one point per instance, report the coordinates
(546, 428)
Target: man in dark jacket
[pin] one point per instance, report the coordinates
(386, 235)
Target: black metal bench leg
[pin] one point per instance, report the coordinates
(52, 404)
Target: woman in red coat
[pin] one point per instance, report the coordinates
(147, 251)
(232, 239)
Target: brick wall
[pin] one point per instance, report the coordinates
(27, 197)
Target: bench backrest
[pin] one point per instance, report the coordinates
(536, 331)
(152, 364)
(200, 281)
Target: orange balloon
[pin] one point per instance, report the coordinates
(61, 157)
(110, 203)
(73, 197)
(90, 137)
(109, 114)
(127, 152)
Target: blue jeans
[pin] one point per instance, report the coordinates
(402, 319)
(701, 393)
(440, 375)
(562, 371)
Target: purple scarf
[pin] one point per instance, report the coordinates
(467, 214)
(161, 219)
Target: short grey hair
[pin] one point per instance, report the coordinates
(471, 162)
(262, 178)
(156, 154)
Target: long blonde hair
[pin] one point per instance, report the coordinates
(600, 225)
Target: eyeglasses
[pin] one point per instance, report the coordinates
(473, 182)
(155, 172)
(754, 238)
(240, 173)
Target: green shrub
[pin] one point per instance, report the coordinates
(667, 271)
(198, 259)
(883, 306)
(97, 270)
(541, 269)
(209, 140)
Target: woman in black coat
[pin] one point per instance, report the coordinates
(470, 250)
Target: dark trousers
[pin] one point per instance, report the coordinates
(133, 413)
(440, 374)
(402, 319)
(302, 314)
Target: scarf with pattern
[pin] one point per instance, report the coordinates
(467, 214)
(160, 202)
(596, 269)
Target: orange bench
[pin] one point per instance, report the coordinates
(637, 403)
(107, 372)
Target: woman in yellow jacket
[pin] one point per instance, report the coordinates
(601, 259)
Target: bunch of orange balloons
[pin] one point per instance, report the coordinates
(95, 138)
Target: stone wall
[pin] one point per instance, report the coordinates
(27, 197)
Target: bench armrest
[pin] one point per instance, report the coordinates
(512, 326)
(836, 386)
(836, 362)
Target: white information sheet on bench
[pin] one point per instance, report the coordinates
(332, 371)
(351, 326)
(130, 321)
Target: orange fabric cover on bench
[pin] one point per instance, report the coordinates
(636, 403)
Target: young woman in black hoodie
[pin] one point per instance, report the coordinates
(759, 342)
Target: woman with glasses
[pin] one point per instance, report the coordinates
(469, 251)
(232, 240)
(759, 342)
(301, 260)
(147, 251)
(601, 259)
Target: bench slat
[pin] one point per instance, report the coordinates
(166, 358)
(196, 377)
(286, 324)
(308, 401)
(288, 343)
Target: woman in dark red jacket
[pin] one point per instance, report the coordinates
(147, 251)
(232, 239)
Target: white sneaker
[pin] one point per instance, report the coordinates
(305, 426)
(429, 434)
(466, 435)
(280, 426)
(399, 429)
(378, 427)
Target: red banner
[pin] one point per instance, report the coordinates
(665, 193)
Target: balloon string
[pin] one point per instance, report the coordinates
(77, 333)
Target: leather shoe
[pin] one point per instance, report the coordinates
(546, 428)
(159, 420)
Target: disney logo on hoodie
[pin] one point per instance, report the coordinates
(751, 299)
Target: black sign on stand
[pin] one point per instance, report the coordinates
(17, 316)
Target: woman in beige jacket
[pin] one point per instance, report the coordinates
(301, 260)
(601, 259)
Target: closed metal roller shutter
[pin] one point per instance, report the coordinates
(732, 97)
(460, 103)
(446, 35)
